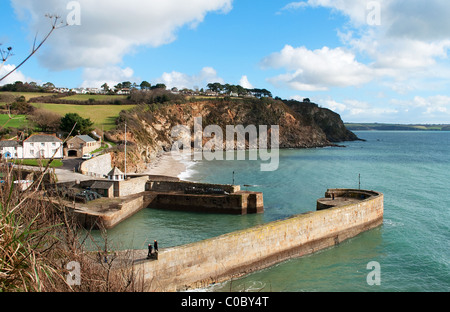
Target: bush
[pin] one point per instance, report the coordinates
(39, 238)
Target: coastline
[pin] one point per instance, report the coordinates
(167, 165)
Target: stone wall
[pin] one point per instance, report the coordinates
(222, 258)
(236, 203)
(130, 186)
(167, 186)
(97, 167)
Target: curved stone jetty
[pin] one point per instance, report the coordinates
(341, 214)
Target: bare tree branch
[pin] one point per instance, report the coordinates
(56, 24)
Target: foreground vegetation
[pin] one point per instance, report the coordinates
(40, 242)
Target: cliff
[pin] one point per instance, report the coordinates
(328, 121)
(302, 125)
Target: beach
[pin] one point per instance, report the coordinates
(167, 165)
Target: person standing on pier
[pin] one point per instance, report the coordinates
(156, 246)
(149, 251)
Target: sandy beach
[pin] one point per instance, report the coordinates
(166, 165)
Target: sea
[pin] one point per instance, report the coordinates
(409, 252)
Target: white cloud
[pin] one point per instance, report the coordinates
(111, 29)
(356, 10)
(319, 69)
(182, 80)
(418, 109)
(112, 75)
(434, 106)
(15, 76)
(351, 110)
(408, 48)
(245, 83)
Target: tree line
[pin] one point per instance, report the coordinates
(237, 89)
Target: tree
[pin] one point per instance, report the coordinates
(48, 86)
(82, 125)
(105, 87)
(45, 121)
(159, 86)
(145, 85)
(118, 87)
(267, 93)
(126, 85)
(215, 87)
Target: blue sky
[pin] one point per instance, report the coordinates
(370, 61)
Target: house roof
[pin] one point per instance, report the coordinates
(9, 144)
(115, 172)
(42, 138)
(86, 138)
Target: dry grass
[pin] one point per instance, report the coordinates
(38, 239)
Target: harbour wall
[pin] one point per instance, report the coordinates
(97, 167)
(232, 255)
(236, 203)
(181, 186)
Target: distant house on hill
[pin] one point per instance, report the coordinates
(80, 145)
(11, 149)
(211, 93)
(42, 146)
(124, 91)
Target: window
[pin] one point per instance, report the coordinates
(42, 144)
(32, 144)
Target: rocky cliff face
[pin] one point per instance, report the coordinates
(302, 125)
(328, 121)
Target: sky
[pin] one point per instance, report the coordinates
(370, 61)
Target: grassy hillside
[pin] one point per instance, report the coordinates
(27, 95)
(18, 121)
(96, 97)
(102, 115)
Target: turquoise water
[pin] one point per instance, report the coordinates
(412, 246)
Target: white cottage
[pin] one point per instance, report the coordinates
(11, 150)
(42, 146)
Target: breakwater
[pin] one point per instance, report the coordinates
(122, 199)
(235, 254)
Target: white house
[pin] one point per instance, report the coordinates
(124, 91)
(11, 149)
(43, 146)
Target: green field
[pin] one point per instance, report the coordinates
(96, 97)
(103, 116)
(27, 95)
(17, 121)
